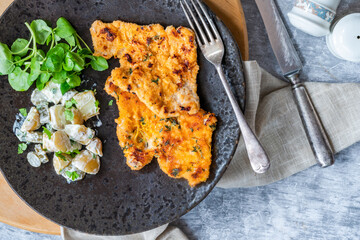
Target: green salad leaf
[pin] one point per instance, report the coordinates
(25, 62)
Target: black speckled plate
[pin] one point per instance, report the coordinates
(116, 200)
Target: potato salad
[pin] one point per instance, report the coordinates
(57, 125)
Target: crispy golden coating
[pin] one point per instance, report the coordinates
(182, 145)
(158, 65)
(186, 148)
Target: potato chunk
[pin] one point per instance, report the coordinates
(72, 174)
(52, 92)
(33, 159)
(60, 161)
(57, 117)
(59, 142)
(32, 121)
(79, 133)
(95, 146)
(74, 116)
(38, 98)
(87, 162)
(41, 153)
(86, 103)
(68, 96)
(33, 137)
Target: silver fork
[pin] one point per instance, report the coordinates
(212, 47)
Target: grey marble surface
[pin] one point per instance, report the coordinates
(313, 204)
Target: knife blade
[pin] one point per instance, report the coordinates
(291, 66)
(280, 41)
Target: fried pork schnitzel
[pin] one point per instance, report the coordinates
(159, 65)
(155, 90)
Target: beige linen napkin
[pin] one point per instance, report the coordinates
(272, 113)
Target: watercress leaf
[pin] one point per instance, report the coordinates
(59, 77)
(70, 40)
(53, 63)
(64, 87)
(49, 39)
(34, 76)
(64, 28)
(58, 50)
(74, 81)
(20, 47)
(35, 65)
(68, 63)
(45, 77)
(6, 64)
(40, 55)
(84, 52)
(64, 46)
(40, 85)
(57, 38)
(77, 59)
(99, 64)
(41, 30)
(19, 80)
(78, 68)
(17, 61)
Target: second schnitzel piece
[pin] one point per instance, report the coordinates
(182, 145)
(158, 65)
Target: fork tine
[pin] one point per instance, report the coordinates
(190, 22)
(198, 26)
(218, 37)
(209, 33)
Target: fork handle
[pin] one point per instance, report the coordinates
(258, 159)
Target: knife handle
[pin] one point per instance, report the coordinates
(314, 130)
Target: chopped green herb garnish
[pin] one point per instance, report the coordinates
(155, 81)
(147, 56)
(72, 175)
(73, 153)
(168, 128)
(94, 156)
(198, 149)
(97, 104)
(23, 111)
(22, 147)
(69, 115)
(62, 157)
(142, 120)
(213, 126)
(47, 132)
(111, 102)
(70, 103)
(130, 71)
(161, 130)
(128, 146)
(191, 129)
(175, 172)
(173, 121)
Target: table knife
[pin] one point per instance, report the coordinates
(291, 66)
